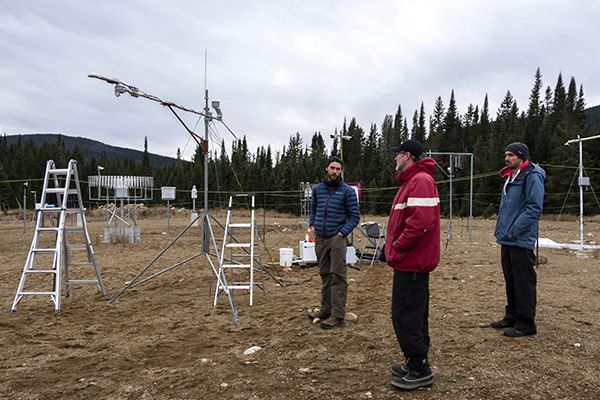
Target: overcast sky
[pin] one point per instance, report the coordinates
(278, 67)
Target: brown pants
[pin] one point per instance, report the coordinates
(331, 256)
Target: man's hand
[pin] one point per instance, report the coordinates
(340, 234)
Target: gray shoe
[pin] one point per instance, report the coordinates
(399, 369)
(331, 322)
(503, 323)
(414, 380)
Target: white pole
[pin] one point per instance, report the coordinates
(580, 192)
(471, 203)
(580, 141)
(451, 171)
(342, 151)
(25, 185)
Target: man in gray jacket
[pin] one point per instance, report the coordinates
(516, 231)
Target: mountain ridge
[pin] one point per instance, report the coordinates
(92, 148)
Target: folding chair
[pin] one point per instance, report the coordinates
(374, 232)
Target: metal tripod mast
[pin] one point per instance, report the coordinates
(207, 234)
(583, 182)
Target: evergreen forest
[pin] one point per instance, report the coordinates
(553, 115)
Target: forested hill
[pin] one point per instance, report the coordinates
(91, 148)
(592, 117)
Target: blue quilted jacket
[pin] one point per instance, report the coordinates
(520, 208)
(333, 209)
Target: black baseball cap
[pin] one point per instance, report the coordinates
(411, 146)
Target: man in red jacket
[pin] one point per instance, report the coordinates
(412, 249)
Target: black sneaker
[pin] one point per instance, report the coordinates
(414, 380)
(399, 369)
(331, 322)
(503, 323)
(514, 332)
(314, 315)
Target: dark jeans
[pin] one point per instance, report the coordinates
(521, 281)
(410, 313)
(331, 256)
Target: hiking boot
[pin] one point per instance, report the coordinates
(331, 322)
(312, 315)
(514, 332)
(414, 380)
(399, 369)
(503, 323)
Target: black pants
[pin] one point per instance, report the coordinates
(521, 281)
(410, 313)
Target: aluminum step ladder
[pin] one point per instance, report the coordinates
(53, 249)
(247, 256)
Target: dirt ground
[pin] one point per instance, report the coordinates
(165, 340)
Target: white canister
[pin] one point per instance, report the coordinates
(285, 256)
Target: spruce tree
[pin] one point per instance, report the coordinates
(436, 125)
(533, 123)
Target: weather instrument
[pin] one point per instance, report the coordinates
(207, 232)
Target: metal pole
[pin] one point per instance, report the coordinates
(342, 150)
(205, 231)
(580, 141)
(168, 217)
(451, 171)
(25, 206)
(34, 204)
(471, 203)
(580, 192)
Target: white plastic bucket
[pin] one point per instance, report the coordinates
(285, 257)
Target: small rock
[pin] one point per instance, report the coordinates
(351, 316)
(252, 350)
(471, 378)
(304, 370)
(204, 360)
(369, 394)
(577, 345)
(224, 385)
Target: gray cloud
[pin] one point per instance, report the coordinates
(278, 67)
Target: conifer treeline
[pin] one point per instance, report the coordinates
(552, 116)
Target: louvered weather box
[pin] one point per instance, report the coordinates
(129, 192)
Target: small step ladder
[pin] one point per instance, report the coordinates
(52, 248)
(244, 267)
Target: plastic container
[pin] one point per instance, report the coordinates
(285, 256)
(307, 252)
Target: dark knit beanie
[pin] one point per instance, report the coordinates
(334, 159)
(519, 149)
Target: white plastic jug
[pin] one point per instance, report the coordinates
(285, 256)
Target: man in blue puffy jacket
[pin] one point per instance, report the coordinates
(334, 213)
(516, 232)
